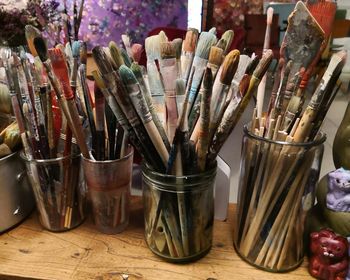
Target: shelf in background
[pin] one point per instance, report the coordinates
(30, 252)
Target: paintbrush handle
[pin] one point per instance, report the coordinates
(200, 64)
(186, 62)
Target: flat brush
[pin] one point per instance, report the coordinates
(136, 51)
(177, 45)
(188, 50)
(169, 71)
(68, 108)
(228, 38)
(136, 69)
(116, 54)
(142, 110)
(235, 110)
(216, 56)
(206, 41)
(127, 43)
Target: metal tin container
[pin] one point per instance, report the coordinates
(16, 197)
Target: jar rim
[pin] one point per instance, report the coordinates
(316, 142)
(124, 158)
(50, 160)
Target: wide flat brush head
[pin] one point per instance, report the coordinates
(76, 49)
(263, 65)
(177, 45)
(101, 60)
(324, 13)
(116, 54)
(41, 48)
(229, 67)
(206, 41)
(215, 55)
(31, 33)
(127, 75)
(190, 42)
(228, 37)
(167, 50)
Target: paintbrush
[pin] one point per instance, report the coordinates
(204, 120)
(142, 110)
(228, 38)
(216, 56)
(303, 30)
(100, 124)
(126, 57)
(116, 54)
(136, 52)
(111, 124)
(68, 108)
(169, 71)
(77, 19)
(69, 56)
(86, 93)
(262, 85)
(187, 55)
(205, 42)
(235, 109)
(177, 45)
(276, 84)
(220, 90)
(152, 46)
(117, 90)
(31, 33)
(334, 68)
(127, 44)
(136, 69)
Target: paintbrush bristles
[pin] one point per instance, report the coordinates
(83, 53)
(101, 60)
(177, 45)
(31, 33)
(228, 37)
(116, 54)
(167, 50)
(269, 16)
(263, 64)
(229, 67)
(215, 55)
(76, 49)
(190, 42)
(41, 48)
(206, 41)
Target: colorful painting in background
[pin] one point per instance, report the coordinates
(228, 14)
(106, 20)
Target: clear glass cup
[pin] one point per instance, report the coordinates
(179, 214)
(109, 184)
(59, 191)
(276, 189)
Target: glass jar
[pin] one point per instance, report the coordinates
(59, 191)
(276, 190)
(179, 214)
(109, 184)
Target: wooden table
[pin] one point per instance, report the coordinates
(30, 252)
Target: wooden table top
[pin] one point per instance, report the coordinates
(30, 252)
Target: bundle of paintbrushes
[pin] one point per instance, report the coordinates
(178, 115)
(282, 152)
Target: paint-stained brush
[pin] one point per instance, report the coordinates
(188, 50)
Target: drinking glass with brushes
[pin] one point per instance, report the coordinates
(282, 150)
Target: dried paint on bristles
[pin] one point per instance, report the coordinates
(101, 60)
(177, 45)
(31, 33)
(228, 37)
(167, 50)
(83, 53)
(127, 75)
(206, 41)
(263, 65)
(212, 30)
(116, 54)
(136, 51)
(208, 79)
(221, 44)
(126, 57)
(252, 65)
(98, 79)
(41, 48)
(215, 55)
(190, 42)
(229, 67)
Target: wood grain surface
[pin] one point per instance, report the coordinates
(30, 252)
